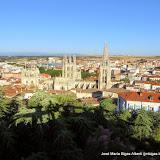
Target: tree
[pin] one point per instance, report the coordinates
(37, 156)
(142, 125)
(125, 115)
(51, 72)
(4, 108)
(8, 108)
(66, 98)
(123, 123)
(125, 80)
(85, 74)
(42, 99)
(23, 115)
(156, 135)
(7, 141)
(108, 105)
(155, 116)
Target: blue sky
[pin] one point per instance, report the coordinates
(80, 26)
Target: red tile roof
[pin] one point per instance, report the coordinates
(141, 96)
(11, 91)
(92, 78)
(44, 75)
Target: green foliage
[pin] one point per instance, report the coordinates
(66, 98)
(125, 115)
(1, 92)
(23, 115)
(51, 72)
(142, 125)
(50, 128)
(8, 108)
(42, 107)
(86, 74)
(155, 116)
(4, 107)
(156, 134)
(125, 80)
(108, 104)
(37, 156)
(43, 99)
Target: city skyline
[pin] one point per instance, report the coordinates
(60, 27)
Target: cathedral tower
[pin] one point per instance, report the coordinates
(104, 81)
(70, 69)
(30, 76)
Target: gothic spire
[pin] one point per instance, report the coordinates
(105, 52)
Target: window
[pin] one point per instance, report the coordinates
(137, 106)
(150, 97)
(151, 108)
(130, 106)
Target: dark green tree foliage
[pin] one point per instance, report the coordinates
(108, 105)
(86, 74)
(51, 72)
(142, 125)
(37, 156)
(125, 80)
(49, 128)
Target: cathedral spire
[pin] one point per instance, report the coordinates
(105, 52)
(105, 70)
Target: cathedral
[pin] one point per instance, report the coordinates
(30, 77)
(104, 81)
(71, 76)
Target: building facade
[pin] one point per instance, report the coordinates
(149, 101)
(30, 77)
(104, 81)
(70, 75)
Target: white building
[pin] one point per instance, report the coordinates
(137, 100)
(152, 85)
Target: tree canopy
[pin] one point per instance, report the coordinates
(52, 72)
(48, 127)
(108, 104)
(142, 125)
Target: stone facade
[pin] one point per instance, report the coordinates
(70, 74)
(104, 81)
(30, 77)
(70, 69)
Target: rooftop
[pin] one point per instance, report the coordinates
(141, 96)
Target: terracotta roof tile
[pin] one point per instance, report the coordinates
(44, 75)
(141, 96)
